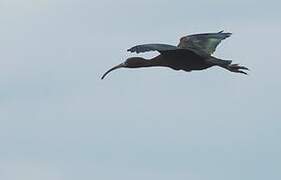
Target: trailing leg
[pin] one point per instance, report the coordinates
(236, 68)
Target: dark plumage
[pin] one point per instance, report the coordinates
(194, 52)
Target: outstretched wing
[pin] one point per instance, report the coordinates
(152, 47)
(203, 42)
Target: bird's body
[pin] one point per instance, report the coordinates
(192, 53)
(183, 60)
(177, 60)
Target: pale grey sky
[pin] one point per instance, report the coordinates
(59, 121)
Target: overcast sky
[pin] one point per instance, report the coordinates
(59, 121)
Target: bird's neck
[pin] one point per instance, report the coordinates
(150, 62)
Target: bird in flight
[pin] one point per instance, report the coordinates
(194, 52)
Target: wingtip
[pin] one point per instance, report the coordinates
(226, 34)
(133, 50)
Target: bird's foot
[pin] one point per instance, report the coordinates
(237, 68)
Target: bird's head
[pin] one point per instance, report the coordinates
(132, 62)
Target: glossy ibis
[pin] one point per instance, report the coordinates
(194, 52)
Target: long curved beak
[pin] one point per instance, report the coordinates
(115, 67)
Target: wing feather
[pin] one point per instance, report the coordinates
(152, 47)
(207, 42)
